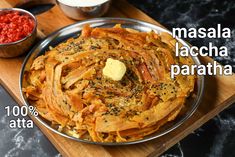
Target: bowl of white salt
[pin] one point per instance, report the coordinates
(84, 9)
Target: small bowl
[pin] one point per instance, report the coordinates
(84, 12)
(17, 48)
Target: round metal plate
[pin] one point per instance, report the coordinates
(73, 31)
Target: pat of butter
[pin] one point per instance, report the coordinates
(114, 69)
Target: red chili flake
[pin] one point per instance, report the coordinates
(15, 26)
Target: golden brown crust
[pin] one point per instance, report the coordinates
(68, 88)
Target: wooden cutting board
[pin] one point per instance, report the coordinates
(219, 93)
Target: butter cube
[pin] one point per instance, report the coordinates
(114, 69)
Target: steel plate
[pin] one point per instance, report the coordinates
(73, 31)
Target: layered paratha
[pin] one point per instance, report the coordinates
(68, 86)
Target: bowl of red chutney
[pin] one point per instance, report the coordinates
(18, 29)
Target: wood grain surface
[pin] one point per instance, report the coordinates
(219, 93)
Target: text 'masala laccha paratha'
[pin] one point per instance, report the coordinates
(109, 84)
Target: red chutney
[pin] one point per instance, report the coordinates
(15, 26)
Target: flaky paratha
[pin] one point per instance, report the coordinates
(69, 89)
